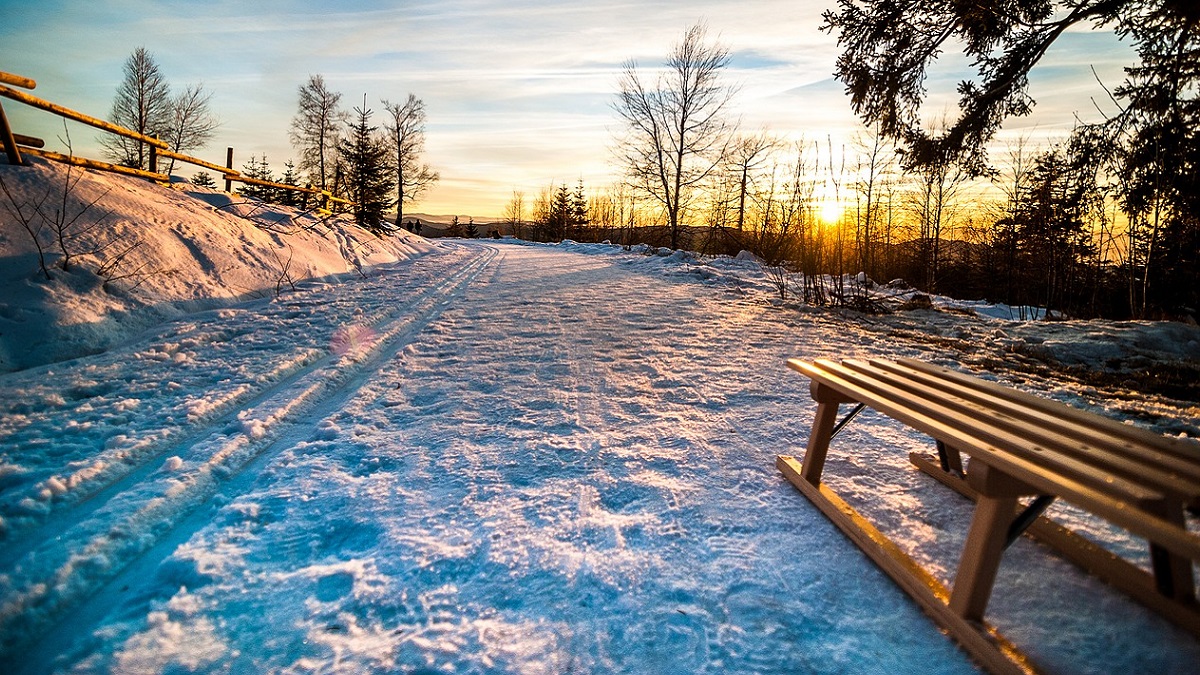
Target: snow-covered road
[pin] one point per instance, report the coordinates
(493, 458)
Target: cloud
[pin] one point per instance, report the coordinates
(518, 93)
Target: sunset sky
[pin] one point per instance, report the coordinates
(519, 94)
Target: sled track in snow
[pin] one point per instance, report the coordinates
(77, 559)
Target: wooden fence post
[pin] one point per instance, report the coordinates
(153, 159)
(6, 137)
(228, 165)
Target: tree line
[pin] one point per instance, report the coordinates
(340, 152)
(1104, 222)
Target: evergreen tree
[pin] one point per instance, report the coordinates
(578, 216)
(368, 179)
(1053, 243)
(1151, 146)
(456, 228)
(293, 198)
(552, 216)
(258, 169)
(472, 230)
(204, 179)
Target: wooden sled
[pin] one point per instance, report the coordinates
(1019, 446)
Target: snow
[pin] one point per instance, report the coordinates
(502, 457)
(189, 248)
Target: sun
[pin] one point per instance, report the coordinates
(830, 212)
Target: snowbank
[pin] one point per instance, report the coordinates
(141, 253)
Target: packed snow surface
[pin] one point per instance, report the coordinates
(496, 457)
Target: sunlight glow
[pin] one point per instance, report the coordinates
(830, 212)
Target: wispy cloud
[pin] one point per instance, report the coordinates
(518, 93)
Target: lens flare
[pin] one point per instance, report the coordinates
(352, 340)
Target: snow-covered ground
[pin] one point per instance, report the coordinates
(160, 253)
(496, 457)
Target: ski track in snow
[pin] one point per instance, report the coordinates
(519, 459)
(111, 521)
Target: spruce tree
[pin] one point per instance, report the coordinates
(368, 172)
(258, 169)
(560, 214)
(579, 214)
(204, 179)
(293, 198)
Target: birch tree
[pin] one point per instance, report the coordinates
(406, 129)
(315, 130)
(142, 104)
(192, 124)
(676, 130)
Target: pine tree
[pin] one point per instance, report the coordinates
(293, 198)
(204, 179)
(472, 230)
(456, 228)
(258, 169)
(368, 172)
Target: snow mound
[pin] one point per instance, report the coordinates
(124, 254)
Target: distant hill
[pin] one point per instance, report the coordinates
(438, 225)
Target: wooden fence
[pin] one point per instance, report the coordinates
(14, 144)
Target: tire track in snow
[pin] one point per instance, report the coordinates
(146, 522)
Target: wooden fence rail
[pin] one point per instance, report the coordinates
(17, 81)
(41, 104)
(15, 144)
(98, 165)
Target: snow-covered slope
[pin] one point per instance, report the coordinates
(160, 251)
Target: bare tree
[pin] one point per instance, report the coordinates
(406, 129)
(143, 104)
(933, 203)
(676, 127)
(315, 131)
(63, 222)
(514, 213)
(875, 157)
(192, 123)
(746, 155)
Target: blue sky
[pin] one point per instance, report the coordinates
(518, 93)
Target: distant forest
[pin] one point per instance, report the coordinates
(1041, 233)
